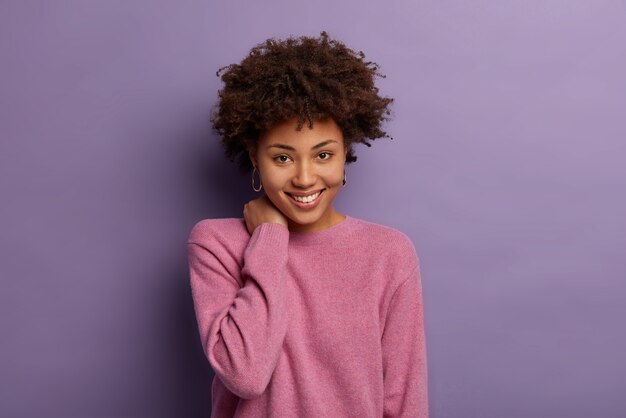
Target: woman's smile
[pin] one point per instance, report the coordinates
(307, 201)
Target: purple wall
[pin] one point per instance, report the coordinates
(507, 169)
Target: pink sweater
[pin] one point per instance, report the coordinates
(310, 324)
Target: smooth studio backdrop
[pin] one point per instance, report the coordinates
(507, 169)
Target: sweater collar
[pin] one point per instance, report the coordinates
(340, 229)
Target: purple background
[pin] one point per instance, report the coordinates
(507, 170)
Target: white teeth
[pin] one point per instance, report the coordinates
(306, 199)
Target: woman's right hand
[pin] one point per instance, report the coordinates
(261, 210)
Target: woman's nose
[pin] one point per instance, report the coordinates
(305, 176)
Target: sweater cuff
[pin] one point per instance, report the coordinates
(268, 246)
(271, 232)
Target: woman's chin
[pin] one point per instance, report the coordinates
(305, 223)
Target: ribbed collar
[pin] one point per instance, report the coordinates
(339, 230)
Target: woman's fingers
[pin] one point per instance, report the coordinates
(260, 210)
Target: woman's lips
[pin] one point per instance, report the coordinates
(305, 205)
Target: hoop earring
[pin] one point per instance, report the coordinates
(344, 178)
(260, 184)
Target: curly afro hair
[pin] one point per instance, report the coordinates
(305, 77)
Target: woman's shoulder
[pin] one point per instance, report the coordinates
(385, 239)
(206, 231)
(384, 234)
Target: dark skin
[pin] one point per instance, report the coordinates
(260, 210)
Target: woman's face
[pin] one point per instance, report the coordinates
(306, 165)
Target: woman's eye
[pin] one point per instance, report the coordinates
(326, 154)
(281, 158)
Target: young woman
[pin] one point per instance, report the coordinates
(304, 311)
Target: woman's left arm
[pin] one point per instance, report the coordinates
(404, 352)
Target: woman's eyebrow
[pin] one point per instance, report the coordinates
(290, 148)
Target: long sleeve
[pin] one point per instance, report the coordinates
(242, 328)
(404, 352)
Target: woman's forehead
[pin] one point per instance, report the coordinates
(300, 144)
